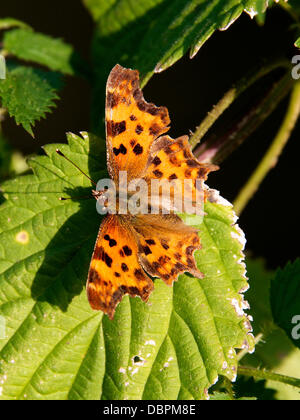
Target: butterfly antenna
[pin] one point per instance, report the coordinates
(59, 152)
(75, 198)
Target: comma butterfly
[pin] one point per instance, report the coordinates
(130, 248)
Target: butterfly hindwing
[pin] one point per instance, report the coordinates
(172, 161)
(166, 246)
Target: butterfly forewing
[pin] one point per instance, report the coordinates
(130, 246)
(132, 124)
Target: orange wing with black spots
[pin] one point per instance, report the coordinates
(128, 247)
(115, 270)
(166, 246)
(132, 124)
(173, 160)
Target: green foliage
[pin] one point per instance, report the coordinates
(297, 43)
(178, 345)
(261, 7)
(285, 300)
(28, 94)
(177, 27)
(42, 49)
(57, 347)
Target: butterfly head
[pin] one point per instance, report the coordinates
(101, 197)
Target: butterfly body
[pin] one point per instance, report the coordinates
(133, 247)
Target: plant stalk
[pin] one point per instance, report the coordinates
(216, 148)
(231, 96)
(271, 157)
(269, 376)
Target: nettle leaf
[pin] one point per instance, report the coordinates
(56, 347)
(28, 94)
(285, 300)
(42, 49)
(152, 35)
(162, 31)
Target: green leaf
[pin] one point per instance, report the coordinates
(297, 43)
(7, 23)
(56, 347)
(162, 31)
(285, 300)
(261, 7)
(42, 49)
(152, 35)
(28, 94)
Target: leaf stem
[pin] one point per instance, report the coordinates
(269, 376)
(230, 97)
(212, 116)
(217, 148)
(271, 157)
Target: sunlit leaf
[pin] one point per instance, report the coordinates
(50, 52)
(56, 347)
(152, 35)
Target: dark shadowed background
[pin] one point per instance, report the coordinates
(189, 89)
